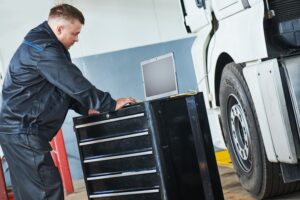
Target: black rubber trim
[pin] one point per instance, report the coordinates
(246, 4)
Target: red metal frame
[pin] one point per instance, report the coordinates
(60, 159)
(3, 191)
(4, 194)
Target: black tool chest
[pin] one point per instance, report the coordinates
(157, 150)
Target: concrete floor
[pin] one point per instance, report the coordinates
(231, 188)
(80, 191)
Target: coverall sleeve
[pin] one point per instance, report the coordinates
(78, 108)
(59, 71)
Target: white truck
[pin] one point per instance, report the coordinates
(247, 63)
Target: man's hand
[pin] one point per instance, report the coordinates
(124, 101)
(120, 103)
(93, 112)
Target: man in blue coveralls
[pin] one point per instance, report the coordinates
(40, 86)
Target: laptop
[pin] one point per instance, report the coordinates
(159, 77)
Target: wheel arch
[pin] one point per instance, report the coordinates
(222, 61)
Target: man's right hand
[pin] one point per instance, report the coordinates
(124, 101)
(93, 112)
(120, 103)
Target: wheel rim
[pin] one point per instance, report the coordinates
(239, 133)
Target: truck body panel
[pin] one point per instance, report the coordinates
(267, 94)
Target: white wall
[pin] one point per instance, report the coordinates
(16, 19)
(110, 24)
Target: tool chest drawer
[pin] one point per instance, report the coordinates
(111, 127)
(146, 194)
(118, 165)
(149, 151)
(124, 181)
(117, 145)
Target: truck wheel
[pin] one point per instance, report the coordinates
(243, 138)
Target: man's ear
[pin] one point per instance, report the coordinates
(59, 29)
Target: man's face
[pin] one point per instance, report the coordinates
(68, 33)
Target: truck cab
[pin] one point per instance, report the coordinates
(247, 62)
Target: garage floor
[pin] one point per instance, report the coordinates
(231, 188)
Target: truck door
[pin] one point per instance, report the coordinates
(226, 8)
(198, 19)
(195, 14)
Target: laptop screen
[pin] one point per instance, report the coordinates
(159, 77)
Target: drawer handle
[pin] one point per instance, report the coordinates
(109, 120)
(124, 193)
(124, 174)
(114, 138)
(119, 156)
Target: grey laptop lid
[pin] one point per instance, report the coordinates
(159, 77)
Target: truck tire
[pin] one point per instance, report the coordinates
(243, 138)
